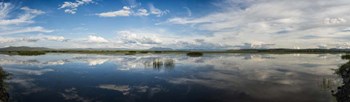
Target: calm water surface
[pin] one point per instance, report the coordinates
(172, 78)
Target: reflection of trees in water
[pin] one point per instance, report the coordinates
(158, 64)
(342, 93)
(4, 95)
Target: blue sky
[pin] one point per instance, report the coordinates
(195, 24)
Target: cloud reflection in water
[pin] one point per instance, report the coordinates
(223, 77)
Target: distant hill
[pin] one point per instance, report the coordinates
(160, 49)
(281, 50)
(24, 48)
(96, 49)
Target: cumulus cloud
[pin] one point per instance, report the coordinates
(322, 46)
(198, 44)
(123, 12)
(55, 38)
(343, 45)
(72, 7)
(128, 37)
(49, 38)
(96, 39)
(256, 45)
(334, 20)
(6, 40)
(145, 39)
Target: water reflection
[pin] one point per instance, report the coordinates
(72, 95)
(4, 95)
(144, 77)
(343, 92)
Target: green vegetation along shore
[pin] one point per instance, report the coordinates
(28, 51)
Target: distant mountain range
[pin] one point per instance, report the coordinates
(160, 49)
(26, 48)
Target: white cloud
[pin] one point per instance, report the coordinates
(343, 45)
(26, 30)
(5, 9)
(334, 20)
(322, 46)
(55, 38)
(96, 39)
(19, 23)
(32, 11)
(157, 11)
(142, 12)
(126, 11)
(179, 20)
(194, 43)
(128, 37)
(31, 39)
(6, 40)
(26, 17)
(143, 39)
(134, 10)
(280, 22)
(132, 3)
(255, 45)
(72, 7)
(123, 12)
(49, 37)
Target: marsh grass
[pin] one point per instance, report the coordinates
(169, 63)
(159, 63)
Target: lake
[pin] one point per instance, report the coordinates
(173, 78)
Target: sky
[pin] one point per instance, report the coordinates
(177, 24)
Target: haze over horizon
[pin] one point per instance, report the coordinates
(185, 24)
